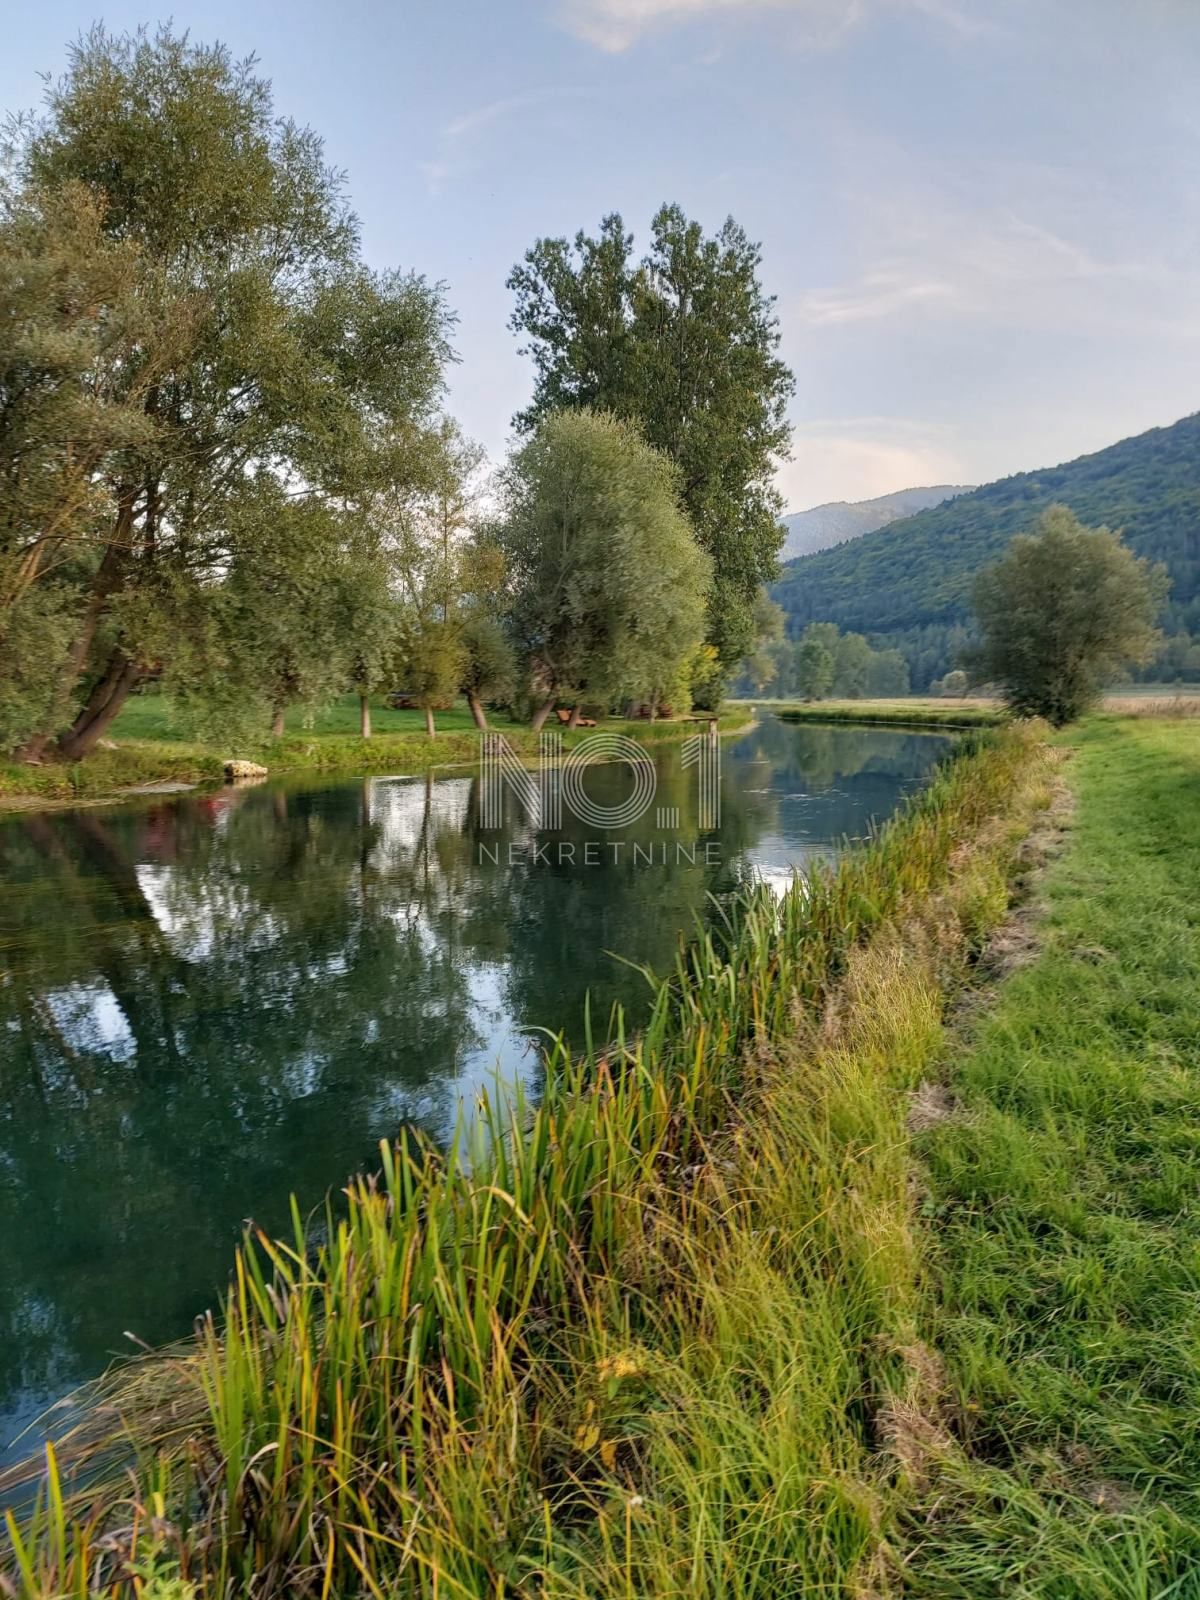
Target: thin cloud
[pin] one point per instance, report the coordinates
(459, 138)
(1001, 267)
(616, 25)
(877, 295)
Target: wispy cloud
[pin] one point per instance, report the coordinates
(879, 294)
(940, 254)
(615, 25)
(459, 140)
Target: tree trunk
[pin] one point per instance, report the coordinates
(107, 580)
(33, 749)
(478, 712)
(106, 700)
(573, 721)
(540, 715)
(277, 723)
(364, 716)
(429, 727)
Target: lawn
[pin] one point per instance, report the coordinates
(1063, 1212)
(148, 716)
(148, 746)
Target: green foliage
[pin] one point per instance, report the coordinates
(954, 683)
(684, 343)
(607, 583)
(199, 322)
(1061, 613)
(908, 585)
(814, 669)
(887, 673)
(797, 667)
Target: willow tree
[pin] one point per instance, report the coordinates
(1061, 613)
(683, 342)
(268, 347)
(607, 582)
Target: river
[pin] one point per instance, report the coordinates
(211, 1001)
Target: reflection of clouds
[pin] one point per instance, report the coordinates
(778, 860)
(89, 1019)
(404, 810)
(195, 915)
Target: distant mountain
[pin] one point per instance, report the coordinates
(822, 526)
(908, 584)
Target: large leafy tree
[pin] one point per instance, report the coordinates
(684, 342)
(1061, 613)
(606, 582)
(431, 550)
(258, 345)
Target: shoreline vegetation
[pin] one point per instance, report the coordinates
(896, 713)
(632, 1345)
(147, 750)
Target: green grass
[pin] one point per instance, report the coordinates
(638, 1345)
(148, 716)
(907, 713)
(1064, 1205)
(150, 748)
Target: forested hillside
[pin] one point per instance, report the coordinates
(907, 586)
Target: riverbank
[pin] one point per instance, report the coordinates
(644, 1346)
(146, 750)
(1061, 1191)
(895, 713)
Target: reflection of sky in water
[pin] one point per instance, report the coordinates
(211, 1001)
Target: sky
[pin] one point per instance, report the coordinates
(980, 218)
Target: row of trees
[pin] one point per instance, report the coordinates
(822, 661)
(225, 466)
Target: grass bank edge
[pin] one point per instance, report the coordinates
(536, 1372)
(107, 772)
(891, 714)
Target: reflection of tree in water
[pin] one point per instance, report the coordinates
(575, 929)
(201, 1014)
(208, 1004)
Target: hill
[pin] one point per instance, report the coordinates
(908, 584)
(836, 520)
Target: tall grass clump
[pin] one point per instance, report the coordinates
(634, 1340)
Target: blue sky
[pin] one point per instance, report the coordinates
(981, 217)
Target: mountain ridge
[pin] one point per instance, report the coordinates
(834, 521)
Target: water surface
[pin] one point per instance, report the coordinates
(210, 1001)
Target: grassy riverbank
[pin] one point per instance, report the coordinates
(661, 1340)
(900, 713)
(1065, 1207)
(148, 748)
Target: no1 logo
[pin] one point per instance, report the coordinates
(557, 780)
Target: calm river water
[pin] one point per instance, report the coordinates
(210, 1001)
